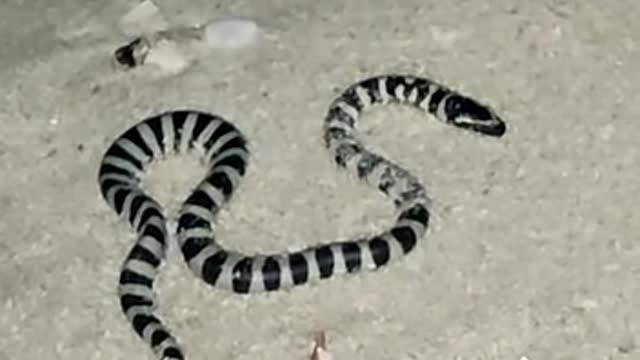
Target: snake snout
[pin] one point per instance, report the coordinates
(469, 114)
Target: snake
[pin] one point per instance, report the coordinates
(225, 152)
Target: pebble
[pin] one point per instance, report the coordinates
(232, 33)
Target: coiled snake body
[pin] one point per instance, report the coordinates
(226, 154)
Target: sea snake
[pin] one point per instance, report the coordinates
(225, 151)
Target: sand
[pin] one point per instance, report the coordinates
(533, 251)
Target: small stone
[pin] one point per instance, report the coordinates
(231, 33)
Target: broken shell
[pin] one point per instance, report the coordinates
(134, 53)
(143, 18)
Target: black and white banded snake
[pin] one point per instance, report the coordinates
(225, 152)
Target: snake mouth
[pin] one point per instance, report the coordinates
(467, 113)
(492, 127)
(495, 128)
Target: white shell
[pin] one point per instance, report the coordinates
(231, 33)
(168, 56)
(142, 18)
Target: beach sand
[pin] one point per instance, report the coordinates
(533, 249)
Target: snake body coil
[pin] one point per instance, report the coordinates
(226, 153)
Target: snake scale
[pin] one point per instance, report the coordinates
(225, 152)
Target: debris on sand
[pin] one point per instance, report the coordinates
(320, 348)
(173, 49)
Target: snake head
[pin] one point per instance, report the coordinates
(467, 113)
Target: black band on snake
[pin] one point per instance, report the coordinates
(225, 152)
